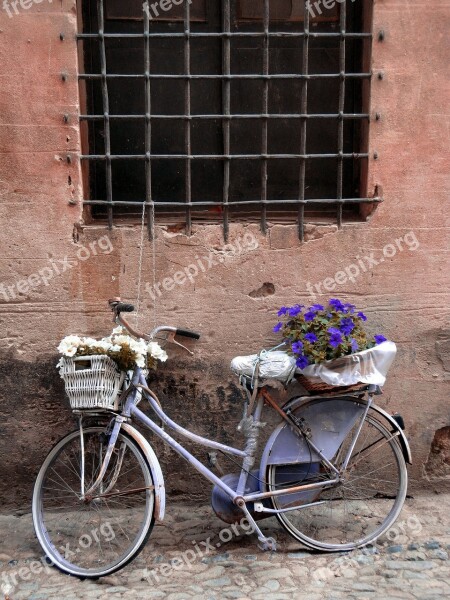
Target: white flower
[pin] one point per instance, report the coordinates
(122, 339)
(69, 345)
(71, 351)
(155, 350)
(140, 361)
(103, 345)
(139, 346)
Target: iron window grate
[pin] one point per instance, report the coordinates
(298, 202)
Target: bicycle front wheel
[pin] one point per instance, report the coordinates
(362, 506)
(90, 539)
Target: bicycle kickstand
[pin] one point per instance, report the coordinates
(267, 544)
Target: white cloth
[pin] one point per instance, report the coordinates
(273, 364)
(369, 366)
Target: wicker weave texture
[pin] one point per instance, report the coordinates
(95, 386)
(320, 386)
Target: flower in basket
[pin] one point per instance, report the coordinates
(126, 351)
(320, 333)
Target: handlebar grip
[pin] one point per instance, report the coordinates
(121, 307)
(187, 333)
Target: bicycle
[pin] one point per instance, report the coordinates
(333, 472)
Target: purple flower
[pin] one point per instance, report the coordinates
(362, 316)
(333, 331)
(310, 315)
(379, 339)
(295, 310)
(311, 338)
(350, 308)
(297, 347)
(277, 327)
(354, 344)
(347, 326)
(335, 337)
(337, 305)
(283, 310)
(302, 362)
(317, 307)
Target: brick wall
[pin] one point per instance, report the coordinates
(233, 303)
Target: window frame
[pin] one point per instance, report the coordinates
(300, 204)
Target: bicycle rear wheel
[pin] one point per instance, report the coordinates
(360, 508)
(95, 538)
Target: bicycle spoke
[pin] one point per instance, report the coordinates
(65, 485)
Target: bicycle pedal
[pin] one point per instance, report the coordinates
(267, 544)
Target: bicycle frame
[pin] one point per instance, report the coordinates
(139, 385)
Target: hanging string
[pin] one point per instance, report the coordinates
(141, 255)
(151, 215)
(152, 210)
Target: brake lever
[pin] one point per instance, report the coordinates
(171, 338)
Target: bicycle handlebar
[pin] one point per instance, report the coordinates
(187, 333)
(118, 307)
(122, 307)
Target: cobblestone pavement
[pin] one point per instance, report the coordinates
(410, 562)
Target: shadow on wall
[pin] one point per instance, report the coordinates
(438, 463)
(34, 414)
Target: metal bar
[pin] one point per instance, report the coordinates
(265, 124)
(148, 129)
(260, 508)
(297, 116)
(340, 171)
(142, 418)
(83, 458)
(218, 156)
(235, 34)
(105, 98)
(356, 436)
(111, 444)
(230, 76)
(187, 112)
(292, 490)
(234, 203)
(303, 127)
(226, 101)
(189, 435)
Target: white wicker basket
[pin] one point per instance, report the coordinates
(92, 382)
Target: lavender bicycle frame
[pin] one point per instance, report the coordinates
(130, 410)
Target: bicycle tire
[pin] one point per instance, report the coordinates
(345, 521)
(77, 545)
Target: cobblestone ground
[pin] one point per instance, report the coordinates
(411, 562)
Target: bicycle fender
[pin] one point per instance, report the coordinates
(403, 441)
(158, 479)
(329, 421)
(401, 435)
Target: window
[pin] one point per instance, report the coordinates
(222, 110)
